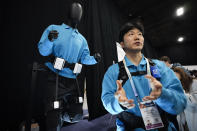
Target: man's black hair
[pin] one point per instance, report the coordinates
(128, 26)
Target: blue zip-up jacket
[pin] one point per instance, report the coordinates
(172, 99)
(70, 45)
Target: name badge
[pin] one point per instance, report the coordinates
(150, 115)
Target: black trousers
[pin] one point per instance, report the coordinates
(67, 92)
(172, 118)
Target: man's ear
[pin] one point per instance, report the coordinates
(122, 44)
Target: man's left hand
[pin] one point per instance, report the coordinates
(156, 88)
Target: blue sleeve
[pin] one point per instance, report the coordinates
(172, 98)
(109, 87)
(45, 46)
(85, 57)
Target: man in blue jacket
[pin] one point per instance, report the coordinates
(147, 88)
(65, 51)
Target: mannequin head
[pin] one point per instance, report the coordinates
(75, 14)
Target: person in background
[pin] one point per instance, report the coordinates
(188, 118)
(166, 60)
(121, 99)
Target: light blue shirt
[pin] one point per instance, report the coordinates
(172, 99)
(70, 45)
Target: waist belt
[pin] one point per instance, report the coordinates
(69, 65)
(52, 58)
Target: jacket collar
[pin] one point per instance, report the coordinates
(68, 27)
(129, 63)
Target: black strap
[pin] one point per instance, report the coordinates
(151, 62)
(51, 58)
(123, 74)
(56, 86)
(69, 65)
(138, 73)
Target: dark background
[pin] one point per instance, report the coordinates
(23, 22)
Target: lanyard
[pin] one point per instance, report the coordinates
(130, 77)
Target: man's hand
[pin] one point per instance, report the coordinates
(156, 88)
(53, 35)
(121, 96)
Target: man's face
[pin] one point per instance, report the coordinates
(133, 40)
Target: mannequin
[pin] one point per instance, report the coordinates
(74, 17)
(65, 50)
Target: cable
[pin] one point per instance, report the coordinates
(79, 92)
(56, 90)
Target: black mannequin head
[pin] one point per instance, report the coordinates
(75, 14)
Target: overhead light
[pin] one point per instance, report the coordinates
(180, 11)
(180, 39)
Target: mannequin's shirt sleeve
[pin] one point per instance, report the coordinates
(45, 46)
(85, 57)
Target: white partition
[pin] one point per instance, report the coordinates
(190, 67)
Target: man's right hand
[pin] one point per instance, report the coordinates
(156, 89)
(121, 96)
(53, 35)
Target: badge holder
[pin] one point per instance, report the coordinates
(150, 115)
(59, 63)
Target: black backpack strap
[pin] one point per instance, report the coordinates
(122, 73)
(151, 62)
